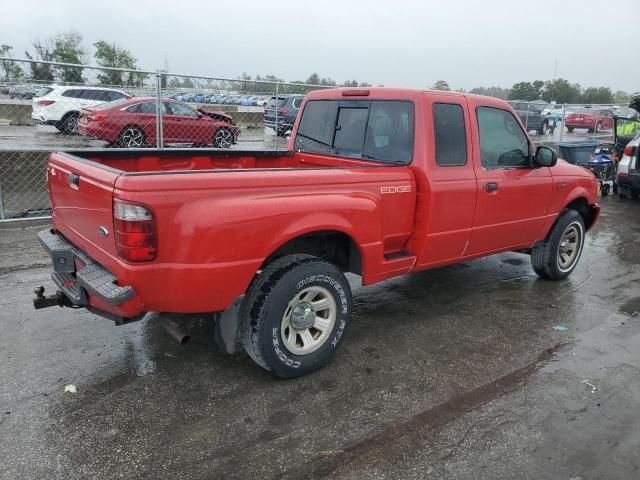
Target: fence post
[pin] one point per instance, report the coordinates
(2, 215)
(564, 118)
(275, 142)
(526, 119)
(159, 129)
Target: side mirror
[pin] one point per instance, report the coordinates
(545, 157)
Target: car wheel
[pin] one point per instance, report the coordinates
(543, 128)
(557, 256)
(570, 129)
(69, 124)
(295, 315)
(131, 137)
(223, 138)
(604, 191)
(615, 188)
(598, 127)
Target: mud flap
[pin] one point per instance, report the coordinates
(225, 332)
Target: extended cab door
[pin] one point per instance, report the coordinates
(447, 192)
(513, 196)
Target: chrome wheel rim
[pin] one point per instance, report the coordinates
(72, 124)
(132, 137)
(308, 320)
(223, 139)
(570, 247)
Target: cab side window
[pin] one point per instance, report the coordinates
(450, 134)
(503, 144)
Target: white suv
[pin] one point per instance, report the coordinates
(61, 106)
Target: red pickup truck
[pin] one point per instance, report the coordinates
(379, 182)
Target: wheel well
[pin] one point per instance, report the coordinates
(335, 247)
(581, 205)
(68, 114)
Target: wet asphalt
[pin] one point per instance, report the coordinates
(454, 373)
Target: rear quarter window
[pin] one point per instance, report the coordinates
(450, 134)
(377, 130)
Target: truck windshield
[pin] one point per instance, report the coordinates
(380, 130)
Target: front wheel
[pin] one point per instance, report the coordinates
(223, 138)
(295, 315)
(557, 256)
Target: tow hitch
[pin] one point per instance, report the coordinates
(57, 300)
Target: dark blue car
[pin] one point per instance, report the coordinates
(285, 109)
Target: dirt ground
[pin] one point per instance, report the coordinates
(475, 371)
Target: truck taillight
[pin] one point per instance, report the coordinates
(135, 232)
(628, 151)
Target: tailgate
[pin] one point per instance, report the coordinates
(81, 194)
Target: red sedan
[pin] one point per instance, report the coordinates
(132, 123)
(591, 119)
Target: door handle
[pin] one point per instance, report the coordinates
(491, 186)
(74, 180)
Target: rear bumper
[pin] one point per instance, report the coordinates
(87, 284)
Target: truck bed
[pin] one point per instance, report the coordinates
(132, 161)
(219, 214)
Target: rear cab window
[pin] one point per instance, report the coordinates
(378, 130)
(450, 134)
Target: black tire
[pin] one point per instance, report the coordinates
(604, 191)
(69, 123)
(570, 129)
(598, 127)
(131, 137)
(222, 138)
(270, 301)
(635, 194)
(615, 188)
(546, 255)
(543, 128)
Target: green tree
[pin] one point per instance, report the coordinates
(9, 70)
(561, 91)
(314, 79)
(526, 90)
(496, 92)
(111, 56)
(597, 95)
(620, 97)
(43, 51)
(67, 48)
(441, 85)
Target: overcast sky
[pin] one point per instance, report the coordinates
(392, 42)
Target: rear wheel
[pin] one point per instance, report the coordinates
(557, 256)
(223, 138)
(69, 124)
(569, 129)
(604, 191)
(131, 137)
(543, 128)
(295, 315)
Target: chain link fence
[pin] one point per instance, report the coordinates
(65, 107)
(122, 108)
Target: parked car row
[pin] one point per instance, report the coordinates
(223, 99)
(25, 92)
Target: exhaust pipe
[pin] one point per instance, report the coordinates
(175, 330)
